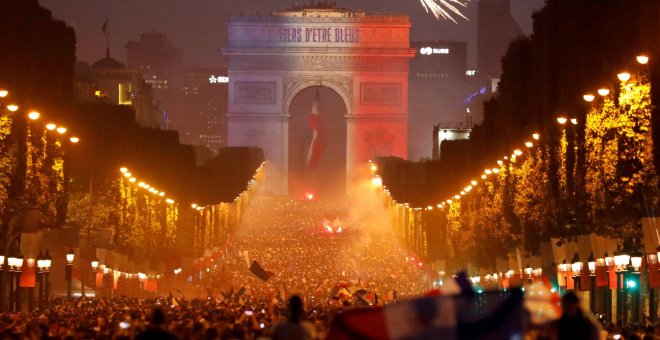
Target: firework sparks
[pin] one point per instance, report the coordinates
(445, 9)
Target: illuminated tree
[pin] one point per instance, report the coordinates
(533, 205)
(601, 156)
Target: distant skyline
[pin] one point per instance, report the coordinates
(199, 26)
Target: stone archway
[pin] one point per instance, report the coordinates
(327, 179)
(364, 59)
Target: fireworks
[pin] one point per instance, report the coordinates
(445, 8)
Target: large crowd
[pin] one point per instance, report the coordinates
(302, 244)
(327, 257)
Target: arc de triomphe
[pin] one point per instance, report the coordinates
(363, 58)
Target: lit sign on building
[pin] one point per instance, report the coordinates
(320, 34)
(431, 50)
(218, 79)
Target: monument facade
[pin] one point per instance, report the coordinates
(363, 58)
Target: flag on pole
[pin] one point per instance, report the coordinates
(260, 272)
(104, 28)
(318, 143)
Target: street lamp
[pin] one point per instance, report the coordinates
(589, 97)
(2, 274)
(642, 59)
(15, 264)
(3, 93)
(51, 126)
(47, 261)
(40, 288)
(12, 107)
(562, 120)
(621, 261)
(623, 76)
(563, 268)
(70, 255)
(652, 260)
(577, 269)
(529, 271)
(603, 92)
(33, 115)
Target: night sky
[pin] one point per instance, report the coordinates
(198, 26)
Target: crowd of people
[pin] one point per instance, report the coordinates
(322, 255)
(321, 260)
(313, 248)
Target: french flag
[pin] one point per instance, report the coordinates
(318, 143)
(443, 315)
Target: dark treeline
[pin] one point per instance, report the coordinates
(37, 67)
(576, 47)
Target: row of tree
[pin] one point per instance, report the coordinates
(595, 176)
(46, 181)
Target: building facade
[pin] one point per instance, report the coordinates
(439, 82)
(109, 81)
(363, 58)
(160, 63)
(205, 107)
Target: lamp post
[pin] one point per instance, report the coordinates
(2, 280)
(11, 261)
(652, 260)
(95, 267)
(70, 255)
(591, 264)
(529, 271)
(563, 268)
(632, 285)
(16, 264)
(621, 262)
(48, 261)
(40, 274)
(576, 268)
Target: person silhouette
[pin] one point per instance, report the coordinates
(156, 329)
(294, 327)
(574, 322)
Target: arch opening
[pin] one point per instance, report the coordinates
(317, 167)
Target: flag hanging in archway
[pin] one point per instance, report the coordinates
(318, 143)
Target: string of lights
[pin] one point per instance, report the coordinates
(34, 115)
(143, 185)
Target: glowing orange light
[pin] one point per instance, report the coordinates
(51, 126)
(589, 97)
(643, 59)
(536, 136)
(603, 92)
(309, 196)
(74, 140)
(562, 120)
(34, 115)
